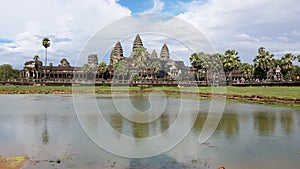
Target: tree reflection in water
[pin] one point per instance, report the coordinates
(140, 130)
(164, 122)
(264, 123)
(116, 121)
(229, 124)
(286, 121)
(201, 118)
(45, 134)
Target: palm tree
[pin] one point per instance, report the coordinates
(51, 67)
(36, 58)
(231, 61)
(37, 65)
(213, 68)
(86, 70)
(198, 61)
(102, 68)
(46, 44)
(206, 65)
(64, 62)
(247, 70)
(288, 64)
(263, 61)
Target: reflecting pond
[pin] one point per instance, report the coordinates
(46, 128)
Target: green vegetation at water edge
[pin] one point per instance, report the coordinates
(279, 91)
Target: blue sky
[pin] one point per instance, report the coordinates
(228, 24)
(172, 7)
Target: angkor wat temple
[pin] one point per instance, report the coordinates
(144, 64)
(139, 65)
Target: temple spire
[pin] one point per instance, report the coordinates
(137, 43)
(153, 54)
(116, 54)
(164, 53)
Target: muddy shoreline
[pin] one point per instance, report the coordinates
(13, 162)
(267, 100)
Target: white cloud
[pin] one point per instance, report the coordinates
(241, 25)
(247, 25)
(158, 6)
(245, 37)
(68, 24)
(282, 39)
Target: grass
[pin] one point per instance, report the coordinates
(234, 94)
(35, 88)
(279, 91)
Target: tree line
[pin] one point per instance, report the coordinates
(262, 68)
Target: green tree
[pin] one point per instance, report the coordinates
(37, 65)
(296, 71)
(195, 60)
(199, 61)
(206, 65)
(7, 72)
(215, 69)
(155, 68)
(247, 70)
(64, 62)
(102, 68)
(263, 62)
(231, 61)
(141, 55)
(86, 70)
(134, 77)
(288, 64)
(121, 68)
(36, 58)
(46, 44)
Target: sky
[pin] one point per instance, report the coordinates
(227, 24)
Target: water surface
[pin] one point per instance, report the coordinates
(46, 127)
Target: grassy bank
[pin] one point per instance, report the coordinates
(280, 91)
(270, 95)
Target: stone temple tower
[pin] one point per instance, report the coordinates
(164, 53)
(93, 60)
(116, 54)
(153, 54)
(137, 42)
